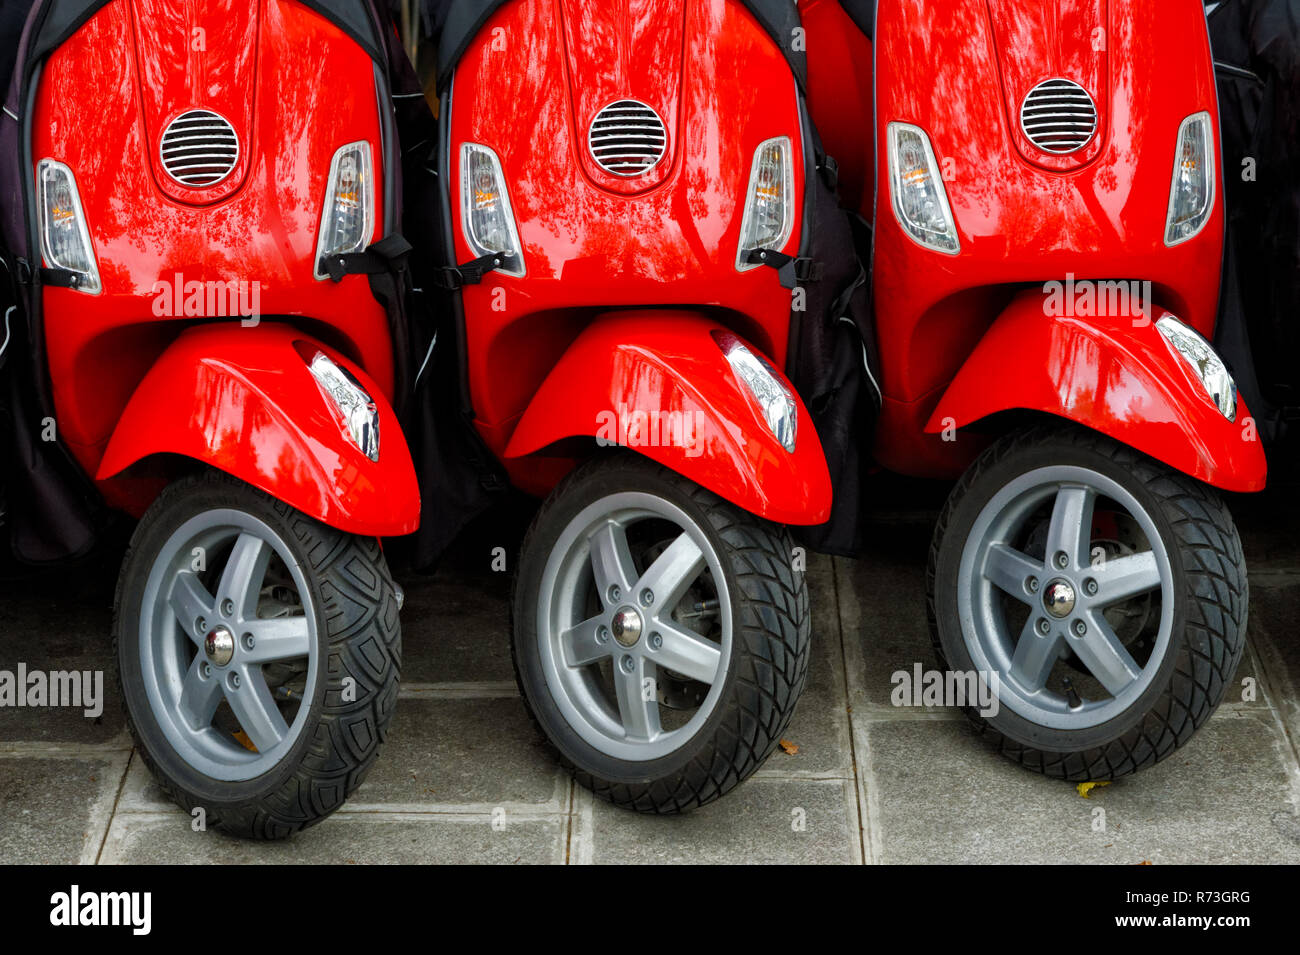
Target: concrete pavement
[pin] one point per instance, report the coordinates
(464, 777)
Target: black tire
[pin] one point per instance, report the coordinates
(1209, 620)
(769, 655)
(358, 640)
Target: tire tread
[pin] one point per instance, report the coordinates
(1215, 626)
(364, 643)
(771, 639)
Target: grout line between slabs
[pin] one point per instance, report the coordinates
(112, 813)
(18, 749)
(467, 690)
(863, 822)
(568, 827)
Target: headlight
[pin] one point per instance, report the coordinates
(487, 219)
(770, 395)
(768, 216)
(1206, 365)
(65, 240)
(920, 200)
(358, 415)
(348, 218)
(1191, 194)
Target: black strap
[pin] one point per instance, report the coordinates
(830, 171)
(63, 278)
(791, 269)
(389, 254)
(471, 273)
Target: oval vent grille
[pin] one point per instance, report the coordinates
(199, 148)
(1059, 116)
(627, 138)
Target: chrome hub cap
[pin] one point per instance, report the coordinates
(1058, 599)
(626, 626)
(219, 645)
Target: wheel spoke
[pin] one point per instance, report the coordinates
(611, 560)
(688, 653)
(276, 638)
(1008, 569)
(1035, 656)
(200, 696)
(1124, 577)
(255, 709)
(672, 572)
(241, 581)
(1105, 656)
(189, 601)
(640, 716)
(580, 645)
(1071, 526)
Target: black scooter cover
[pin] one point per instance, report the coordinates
(1257, 62)
(832, 347)
(54, 510)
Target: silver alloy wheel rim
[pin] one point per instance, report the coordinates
(989, 566)
(592, 552)
(183, 686)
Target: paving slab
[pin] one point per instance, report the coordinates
(56, 810)
(882, 611)
(820, 727)
(1274, 612)
(456, 627)
(344, 839)
(938, 794)
(471, 752)
(60, 621)
(442, 756)
(810, 822)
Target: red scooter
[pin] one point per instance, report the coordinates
(190, 212)
(625, 221)
(1044, 184)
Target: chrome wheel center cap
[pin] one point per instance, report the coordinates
(219, 645)
(1058, 598)
(626, 626)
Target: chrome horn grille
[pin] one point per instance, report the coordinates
(627, 138)
(1059, 116)
(199, 148)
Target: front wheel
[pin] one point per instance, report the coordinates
(660, 635)
(258, 655)
(1102, 593)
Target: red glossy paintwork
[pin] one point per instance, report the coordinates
(103, 101)
(709, 429)
(959, 69)
(1112, 375)
(594, 242)
(840, 93)
(252, 408)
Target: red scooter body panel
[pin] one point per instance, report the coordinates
(246, 403)
(704, 425)
(528, 89)
(958, 69)
(841, 90)
(105, 97)
(1108, 374)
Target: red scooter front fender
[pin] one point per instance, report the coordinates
(659, 383)
(1114, 375)
(243, 400)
